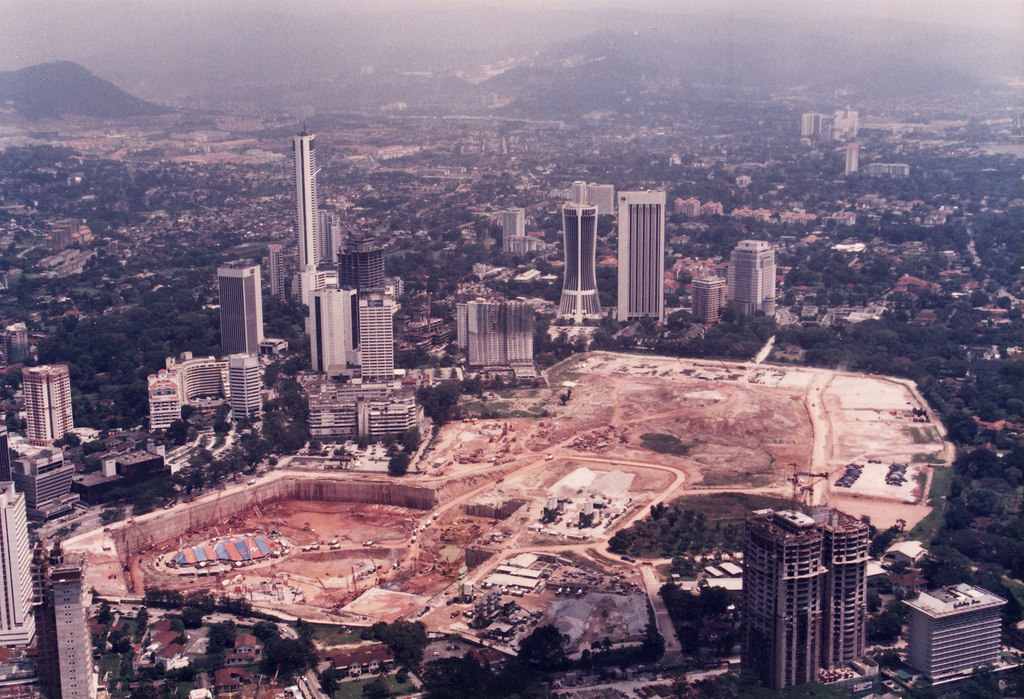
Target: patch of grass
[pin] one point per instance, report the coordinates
(928, 458)
(354, 690)
(563, 371)
(925, 530)
(331, 635)
(922, 435)
(664, 443)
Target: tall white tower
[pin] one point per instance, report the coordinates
(579, 231)
(376, 337)
(852, 158)
(276, 262)
(47, 403)
(307, 212)
(752, 278)
(244, 386)
(641, 255)
(332, 329)
(17, 623)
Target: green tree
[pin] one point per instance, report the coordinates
(544, 648)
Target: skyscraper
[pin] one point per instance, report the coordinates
(804, 591)
(5, 455)
(241, 307)
(244, 386)
(15, 339)
(332, 329)
(708, 298)
(64, 644)
(164, 399)
(276, 263)
(361, 265)
(641, 255)
(376, 337)
(307, 215)
(602, 196)
(513, 227)
(47, 403)
(496, 333)
(752, 278)
(810, 124)
(330, 236)
(17, 623)
(852, 158)
(579, 233)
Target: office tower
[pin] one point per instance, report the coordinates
(307, 211)
(47, 403)
(579, 233)
(641, 255)
(953, 630)
(513, 226)
(65, 649)
(276, 263)
(804, 594)
(376, 337)
(496, 333)
(361, 265)
(15, 340)
(852, 157)
(332, 329)
(45, 479)
(241, 307)
(810, 124)
(844, 124)
(17, 623)
(5, 455)
(330, 236)
(752, 278)
(602, 196)
(244, 386)
(164, 399)
(708, 298)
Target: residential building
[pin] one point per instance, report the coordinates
(810, 124)
(17, 623)
(641, 256)
(953, 630)
(376, 337)
(579, 230)
(689, 207)
(15, 343)
(45, 479)
(711, 208)
(357, 409)
(275, 253)
(496, 333)
(65, 648)
(852, 158)
(513, 226)
(332, 330)
(361, 265)
(241, 307)
(330, 237)
(164, 399)
(62, 233)
(244, 381)
(888, 169)
(804, 595)
(199, 377)
(307, 212)
(602, 197)
(47, 391)
(751, 279)
(844, 124)
(709, 298)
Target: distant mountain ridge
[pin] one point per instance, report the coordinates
(51, 90)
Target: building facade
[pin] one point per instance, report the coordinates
(953, 630)
(752, 278)
(513, 227)
(241, 307)
(708, 298)
(330, 236)
(17, 623)
(164, 399)
(376, 337)
(15, 339)
(356, 409)
(852, 158)
(361, 265)
(245, 382)
(47, 403)
(641, 255)
(496, 333)
(275, 255)
(579, 233)
(332, 330)
(307, 204)
(199, 377)
(66, 665)
(45, 479)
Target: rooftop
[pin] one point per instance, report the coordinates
(955, 599)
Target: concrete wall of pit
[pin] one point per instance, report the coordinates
(164, 526)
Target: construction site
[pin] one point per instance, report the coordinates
(523, 507)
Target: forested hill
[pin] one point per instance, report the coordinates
(60, 88)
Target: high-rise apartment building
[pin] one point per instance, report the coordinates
(244, 380)
(332, 329)
(641, 255)
(15, 343)
(602, 197)
(513, 226)
(496, 333)
(844, 124)
(17, 623)
(688, 207)
(47, 403)
(708, 298)
(275, 253)
(164, 399)
(241, 307)
(852, 158)
(361, 265)
(888, 169)
(65, 648)
(953, 630)
(330, 236)
(810, 124)
(804, 594)
(376, 337)
(579, 233)
(752, 278)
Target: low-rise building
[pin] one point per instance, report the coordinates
(373, 410)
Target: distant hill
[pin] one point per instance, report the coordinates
(56, 89)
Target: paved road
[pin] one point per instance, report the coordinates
(673, 649)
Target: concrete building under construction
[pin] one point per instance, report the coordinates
(804, 594)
